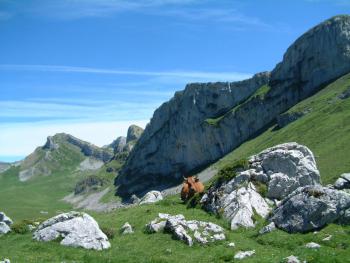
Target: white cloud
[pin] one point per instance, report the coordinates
(214, 76)
(22, 138)
(83, 110)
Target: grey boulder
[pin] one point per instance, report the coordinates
(244, 254)
(76, 229)
(126, 229)
(312, 207)
(285, 167)
(312, 245)
(292, 259)
(237, 204)
(151, 197)
(267, 229)
(188, 231)
(4, 228)
(5, 219)
(5, 223)
(343, 182)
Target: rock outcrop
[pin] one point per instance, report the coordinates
(134, 133)
(76, 230)
(151, 197)
(343, 182)
(206, 121)
(236, 203)
(280, 169)
(312, 207)
(284, 168)
(117, 145)
(189, 231)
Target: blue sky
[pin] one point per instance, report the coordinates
(93, 67)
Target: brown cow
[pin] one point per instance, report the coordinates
(191, 185)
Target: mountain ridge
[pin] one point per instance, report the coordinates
(315, 59)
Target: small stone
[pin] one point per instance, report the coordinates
(292, 259)
(4, 228)
(231, 244)
(4, 218)
(312, 245)
(151, 197)
(126, 229)
(267, 229)
(218, 237)
(31, 227)
(327, 238)
(244, 254)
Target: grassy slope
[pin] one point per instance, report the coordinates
(326, 130)
(25, 200)
(142, 247)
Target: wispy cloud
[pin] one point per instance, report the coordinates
(83, 110)
(220, 15)
(218, 76)
(184, 11)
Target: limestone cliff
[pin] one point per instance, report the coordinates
(206, 121)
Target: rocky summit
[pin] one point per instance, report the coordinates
(206, 121)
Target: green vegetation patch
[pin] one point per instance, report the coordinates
(229, 171)
(258, 94)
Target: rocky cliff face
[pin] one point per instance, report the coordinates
(206, 121)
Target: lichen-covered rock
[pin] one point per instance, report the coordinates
(238, 205)
(206, 121)
(312, 207)
(286, 167)
(189, 231)
(76, 229)
(151, 197)
(6, 260)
